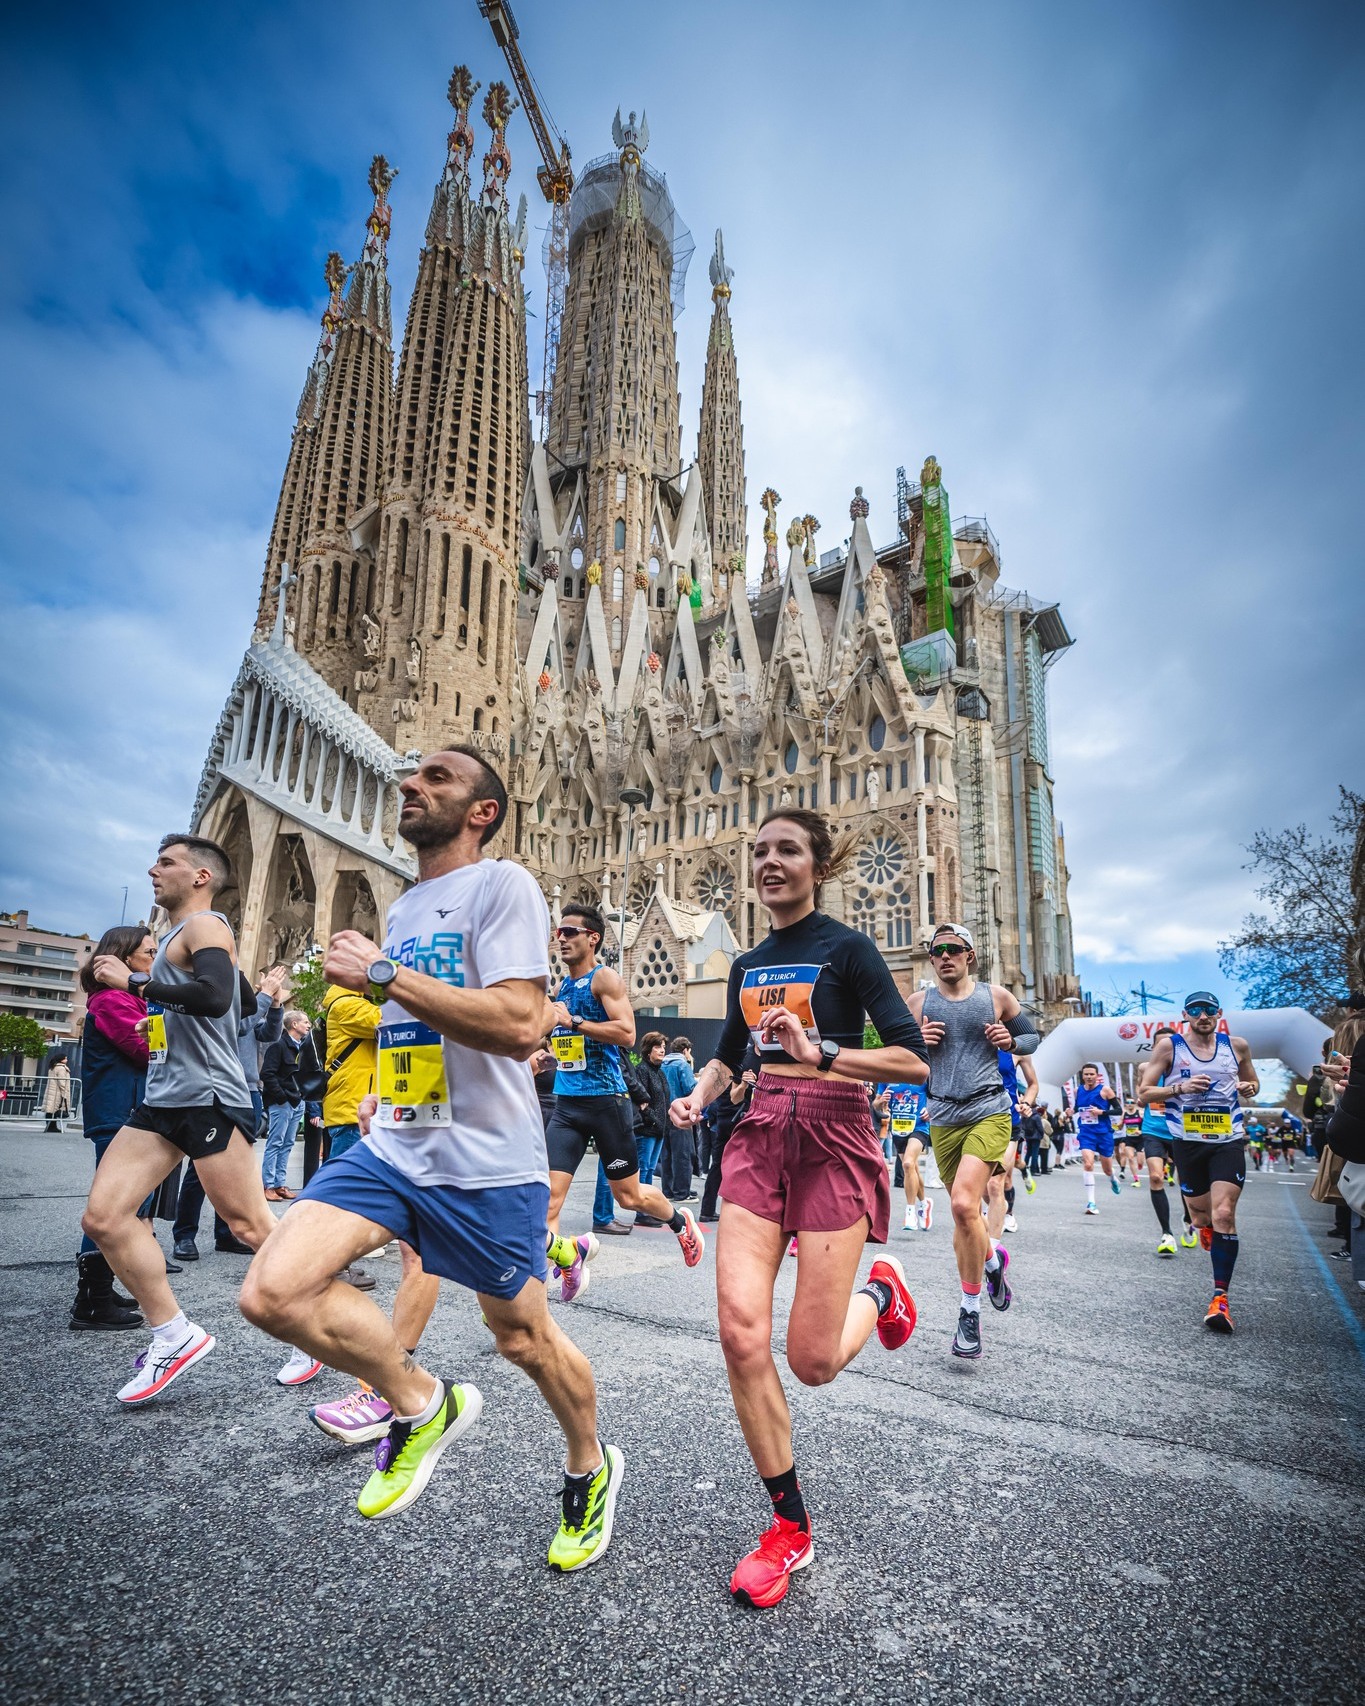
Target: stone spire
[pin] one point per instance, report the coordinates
(615, 400)
(720, 442)
(440, 661)
(336, 577)
(291, 511)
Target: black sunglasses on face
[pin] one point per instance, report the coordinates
(943, 948)
(569, 930)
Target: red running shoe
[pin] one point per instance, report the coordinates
(1206, 1238)
(761, 1579)
(897, 1321)
(691, 1239)
(1219, 1318)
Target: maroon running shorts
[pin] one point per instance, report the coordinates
(806, 1157)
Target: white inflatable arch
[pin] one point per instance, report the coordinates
(1274, 1033)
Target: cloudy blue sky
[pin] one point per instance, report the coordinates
(1104, 261)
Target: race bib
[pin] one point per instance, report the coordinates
(156, 1037)
(1090, 1116)
(570, 1051)
(412, 1076)
(902, 1127)
(766, 987)
(1206, 1122)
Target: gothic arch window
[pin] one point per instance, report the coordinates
(619, 534)
(876, 732)
(653, 565)
(656, 975)
(883, 892)
(791, 758)
(618, 583)
(616, 633)
(716, 889)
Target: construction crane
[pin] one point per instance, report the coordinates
(555, 178)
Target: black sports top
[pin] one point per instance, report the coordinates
(832, 977)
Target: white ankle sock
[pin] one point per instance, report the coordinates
(173, 1331)
(972, 1301)
(993, 1260)
(428, 1411)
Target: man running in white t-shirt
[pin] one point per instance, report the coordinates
(453, 1158)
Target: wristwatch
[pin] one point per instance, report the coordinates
(829, 1053)
(381, 974)
(576, 1021)
(138, 981)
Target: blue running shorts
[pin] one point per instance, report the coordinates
(490, 1240)
(1102, 1142)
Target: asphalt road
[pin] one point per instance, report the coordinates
(1111, 1506)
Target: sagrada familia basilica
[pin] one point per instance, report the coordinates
(582, 611)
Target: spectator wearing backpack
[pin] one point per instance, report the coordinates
(347, 1048)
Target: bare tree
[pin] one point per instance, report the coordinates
(1298, 953)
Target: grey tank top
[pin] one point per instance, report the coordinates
(193, 1061)
(964, 1069)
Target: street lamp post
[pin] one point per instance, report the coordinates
(629, 798)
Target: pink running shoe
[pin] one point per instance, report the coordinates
(357, 1419)
(928, 1208)
(574, 1281)
(692, 1240)
(792, 1247)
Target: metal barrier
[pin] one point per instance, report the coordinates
(21, 1098)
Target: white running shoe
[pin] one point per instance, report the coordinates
(1091, 1209)
(1011, 1224)
(159, 1365)
(911, 1221)
(926, 1211)
(299, 1369)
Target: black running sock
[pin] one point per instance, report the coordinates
(1009, 1199)
(785, 1493)
(1223, 1253)
(1162, 1204)
(880, 1293)
(677, 1222)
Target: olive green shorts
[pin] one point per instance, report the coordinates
(987, 1139)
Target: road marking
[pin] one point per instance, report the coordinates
(1334, 1286)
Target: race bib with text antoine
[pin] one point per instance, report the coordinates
(766, 987)
(412, 1076)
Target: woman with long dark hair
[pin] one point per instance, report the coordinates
(804, 1161)
(113, 1076)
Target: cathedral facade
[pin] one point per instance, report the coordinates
(582, 611)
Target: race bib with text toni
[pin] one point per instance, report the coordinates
(412, 1076)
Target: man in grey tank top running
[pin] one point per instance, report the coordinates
(965, 1023)
(197, 1103)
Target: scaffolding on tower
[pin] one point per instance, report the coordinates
(556, 181)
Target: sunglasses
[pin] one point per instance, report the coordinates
(566, 930)
(942, 948)
(1201, 1010)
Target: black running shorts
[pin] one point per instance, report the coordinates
(197, 1132)
(1159, 1148)
(1199, 1164)
(607, 1119)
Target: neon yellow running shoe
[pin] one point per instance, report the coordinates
(585, 1526)
(406, 1456)
(1189, 1237)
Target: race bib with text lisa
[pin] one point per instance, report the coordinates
(412, 1076)
(766, 987)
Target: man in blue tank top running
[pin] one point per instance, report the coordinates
(594, 1021)
(1201, 1077)
(1094, 1126)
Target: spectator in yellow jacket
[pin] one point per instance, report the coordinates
(352, 1024)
